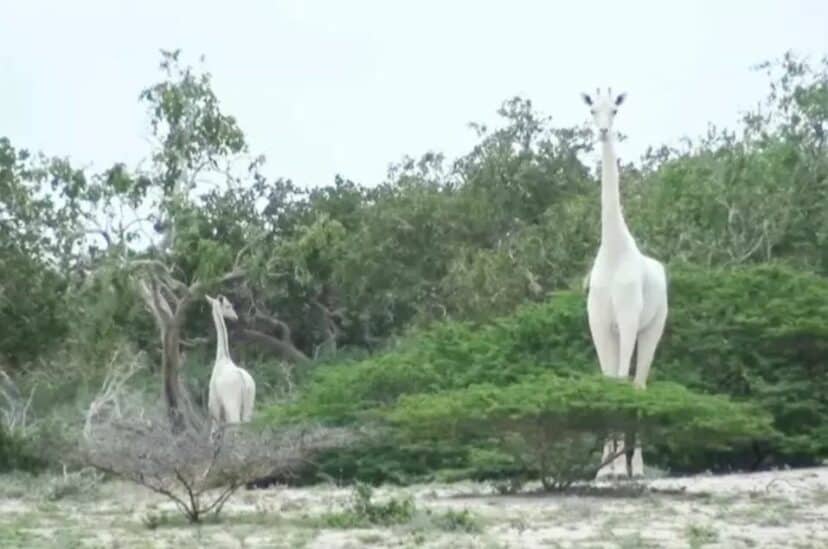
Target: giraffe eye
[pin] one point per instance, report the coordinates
(614, 111)
(592, 111)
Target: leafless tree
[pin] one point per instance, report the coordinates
(198, 472)
(109, 399)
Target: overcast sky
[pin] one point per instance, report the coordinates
(348, 86)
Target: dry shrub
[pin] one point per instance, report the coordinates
(197, 471)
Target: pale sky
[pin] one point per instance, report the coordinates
(349, 86)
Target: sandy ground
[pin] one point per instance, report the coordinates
(770, 509)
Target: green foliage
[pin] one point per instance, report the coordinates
(457, 521)
(364, 512)
(30, 227)
(17, 454)
(753, 333)
(701, 535)
(454, 355)
(665, 411)
(554, 425)
(186, 118)
(758, 334)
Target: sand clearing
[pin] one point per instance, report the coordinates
(769, 509)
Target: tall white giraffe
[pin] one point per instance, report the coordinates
(627, 296)
(232, 390)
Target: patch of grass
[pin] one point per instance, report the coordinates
(47, 508)
(364, 512)
(16, 485)
(25, 521)
(14, 536)
(612, 521)
(165, 519)
(699, 535)
(299, 538)
(520, 523)
(153, 520)
(781, 516)
(764, 510)
(371, 538)
(511, 485)
(79, 483)
(68, 539)
(456, 521)
(634, 541)
(820, 496)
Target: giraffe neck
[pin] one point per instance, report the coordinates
(222, 349)
(614, 232)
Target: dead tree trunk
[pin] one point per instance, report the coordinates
(170, 367)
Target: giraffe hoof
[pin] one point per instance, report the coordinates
(610, 476)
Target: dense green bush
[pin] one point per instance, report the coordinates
(759, 334)
(452, 355)
(754, 333)
(16, 453)
(555, 425)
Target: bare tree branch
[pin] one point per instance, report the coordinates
(197, 472)
(15, 411)
(282, 329)
(112, 390)
(194, 342)
(285, 349)
(98, 231)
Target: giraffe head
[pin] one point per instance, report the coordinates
(603, 109)
(224, 306)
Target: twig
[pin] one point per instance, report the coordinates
(185, 466)
(774, 481)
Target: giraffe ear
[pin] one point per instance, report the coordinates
(209, 299)
(620, 99)
(587, 99)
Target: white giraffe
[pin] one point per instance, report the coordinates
(627, 295)
(232, 390)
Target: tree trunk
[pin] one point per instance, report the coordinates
(170, 368)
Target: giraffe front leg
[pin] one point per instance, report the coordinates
(606, 346)
(637, 463)
(648, 340)
(627, 320)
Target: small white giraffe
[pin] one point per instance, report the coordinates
(627, 295)
(232, 390)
